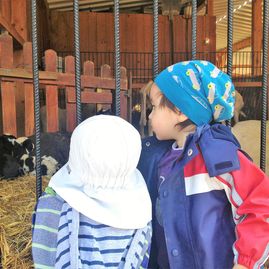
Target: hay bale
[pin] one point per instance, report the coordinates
(17, 201)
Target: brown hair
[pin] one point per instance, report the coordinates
(147, 87)
(166, 103)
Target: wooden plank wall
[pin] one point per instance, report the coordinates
(13, 17)
(136, 32)
(136, 36)
(43, 27)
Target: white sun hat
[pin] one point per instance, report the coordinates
(100, 179)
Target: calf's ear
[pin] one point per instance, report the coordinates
(44, 170)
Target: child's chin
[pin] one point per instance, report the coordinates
(159, 137)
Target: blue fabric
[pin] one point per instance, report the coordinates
(214, 138)
(44, 230)
(199, 229)
(89, 244)
(165, 166)
(64, 238)
(199, 89)
(152, 152)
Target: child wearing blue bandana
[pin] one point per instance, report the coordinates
(210, 202)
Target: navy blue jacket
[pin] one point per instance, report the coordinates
(198, 221)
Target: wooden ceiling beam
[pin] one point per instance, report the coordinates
(149, 2)
(65, 4)
(58, 1)
(96, 9)
(97, 4)
(239, 45)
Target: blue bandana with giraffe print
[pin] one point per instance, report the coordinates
(199, 90)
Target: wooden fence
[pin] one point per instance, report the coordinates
(17, 96)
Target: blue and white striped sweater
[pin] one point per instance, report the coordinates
(63, 238)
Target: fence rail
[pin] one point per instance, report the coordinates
(246, 65)
(17, 95)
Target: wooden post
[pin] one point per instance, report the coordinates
(88, 71)
(256, 42)
(105, 73)
(70, 107)
(88, 68)
(123, 95)
(210, 8)
(29, 109)
(19, 17)
(7, 88)
(6, 50)
(51, 94)
(9, 108)
(29, 125)
(20, 100)
(27, 56)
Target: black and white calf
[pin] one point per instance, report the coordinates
(27, 163)
(17, 156)
(49, 165)
(10, 153)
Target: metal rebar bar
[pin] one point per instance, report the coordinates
(77, 61)
(36, 99)
(117, 55)
(230, 38)
(155, 39)
(194, 29)
(264, 85)
(230, 44)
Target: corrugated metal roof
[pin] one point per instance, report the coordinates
(241, 21)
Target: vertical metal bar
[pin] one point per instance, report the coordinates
(230, 44)
(155, 39)
(139, 65)
(130, 96)
(230, 39)
(264, 85)
(99, 62)
(117, 54)
(194, 29)
(77, 61)
(134, 63)
(36, 100)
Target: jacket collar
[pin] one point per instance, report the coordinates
(219, 148)
(216, 143)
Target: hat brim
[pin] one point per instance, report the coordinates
(124, 208)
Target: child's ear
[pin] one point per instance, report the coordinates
(182, 117)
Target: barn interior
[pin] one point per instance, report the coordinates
(56, 64)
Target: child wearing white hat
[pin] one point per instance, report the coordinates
(96, 212)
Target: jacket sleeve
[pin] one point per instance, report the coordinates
(248, 191)
(45, 221)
